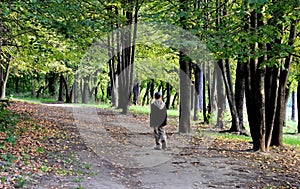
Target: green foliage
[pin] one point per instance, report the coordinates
(157, 62)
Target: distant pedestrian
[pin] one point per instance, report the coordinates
(158, 119)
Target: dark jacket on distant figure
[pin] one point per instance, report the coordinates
(158, 114)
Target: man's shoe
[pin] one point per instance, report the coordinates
(164, 144)
(157, 147)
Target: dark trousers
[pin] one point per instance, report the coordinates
(159, 134)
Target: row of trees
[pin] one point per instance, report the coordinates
(81, 47)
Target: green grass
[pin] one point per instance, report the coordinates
(47, 100)
(34, 100)
(291, 127)
(145, 110)
(291, 139)
(229, 136)
(288, 137)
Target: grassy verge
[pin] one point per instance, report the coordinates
(34, 100)
(145, 110)
(288, 139)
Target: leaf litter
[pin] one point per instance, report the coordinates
(48, 141)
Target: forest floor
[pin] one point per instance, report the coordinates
(66, 146)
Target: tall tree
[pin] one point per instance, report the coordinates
(185, 79)
(266, 115)
(126, 52)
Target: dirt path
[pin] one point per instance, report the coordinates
(124, 144)
(71, 147)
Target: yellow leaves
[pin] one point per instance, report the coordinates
(37, 134)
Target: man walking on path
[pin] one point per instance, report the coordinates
(158, 119)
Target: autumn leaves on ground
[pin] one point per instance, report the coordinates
(42, 142)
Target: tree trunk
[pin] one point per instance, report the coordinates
(68, 91)
(192, 97)
(294, 96)
(127, 58)
(112, 69)
(152, 88)
(4, 77)
(196, 100)
(209, 106)
(61, 88)
(221, 103)
(298, 104)
(75, 88)
(146, 93)
(185, 94)
(282, 91)
(169, 92)
(85, 91)
(261, 103)
(277, 136)
(115, 94)
(52, 83)
(201, 87)
(240, 93)
(174, 100)
(213, 89)
(40, 90)
(271, 87)
(136, 93)
(204, 95)
(227, 77)
(250, 98)
(255, 89)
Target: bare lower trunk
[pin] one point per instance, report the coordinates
(298, 105)
(168, 101)
(227, 77)
(174, 100)
(68, 91)
(260, 104)
(283, 90)
(4, 81)
(185, 95)
(201, 89)
(196, 98)
(152, 86)
(294, 95)
(146, 95)
(75, 88)
(205, 118)
(61, 88)
(136, 94)
(240, 93)
(52, 83)
(85, 90)
(221, 102)
(271, 87)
